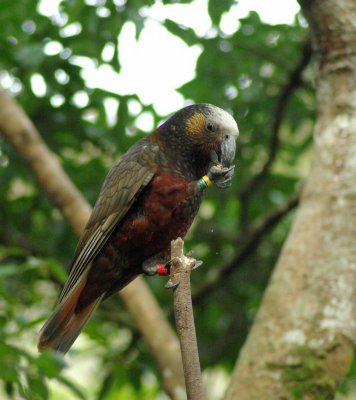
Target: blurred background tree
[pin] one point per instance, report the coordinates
(49, 60)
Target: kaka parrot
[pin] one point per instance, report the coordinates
(149, 198)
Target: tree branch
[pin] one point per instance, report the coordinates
(181, 267)
(251, 241)
(19, 130)
(294, 81)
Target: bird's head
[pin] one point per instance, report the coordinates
(202, 132)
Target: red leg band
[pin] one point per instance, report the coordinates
(162, 270)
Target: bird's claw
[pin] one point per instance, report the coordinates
(221, 176)
(198, 263)
(170, 284)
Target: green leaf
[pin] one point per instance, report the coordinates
(217, 7)
(50, 364)
(184, 33)
(71, 386)
(37, 389)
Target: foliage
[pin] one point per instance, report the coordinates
(253, 73)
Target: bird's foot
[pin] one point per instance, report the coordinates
(198, 263)
(154, 266)
(221, 176)
(170, 284)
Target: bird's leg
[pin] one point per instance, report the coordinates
(156, 265)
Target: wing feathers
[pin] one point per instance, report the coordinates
(112, 205)
(122, 186)
(65, 324)
(88, 253)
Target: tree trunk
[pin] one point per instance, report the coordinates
(302, 341)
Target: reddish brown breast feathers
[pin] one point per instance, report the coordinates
(159, 215)
(167, 195)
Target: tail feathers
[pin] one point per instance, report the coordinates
(65, 324)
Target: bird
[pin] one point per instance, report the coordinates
(149, 198)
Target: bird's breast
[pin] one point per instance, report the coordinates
(167, 194)
(162, 213)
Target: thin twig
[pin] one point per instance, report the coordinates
(252, 239)
(293, 82)
(181, 267)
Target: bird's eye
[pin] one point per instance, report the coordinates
(210, 127)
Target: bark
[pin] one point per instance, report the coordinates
(181, 267)
(19, 130)
(302, 342)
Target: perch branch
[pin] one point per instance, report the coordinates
(181, 268)
(22, 134)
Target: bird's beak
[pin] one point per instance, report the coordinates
(228, 150)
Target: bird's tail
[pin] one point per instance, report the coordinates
(65, 324)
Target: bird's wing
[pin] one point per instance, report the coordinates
(122, 186)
